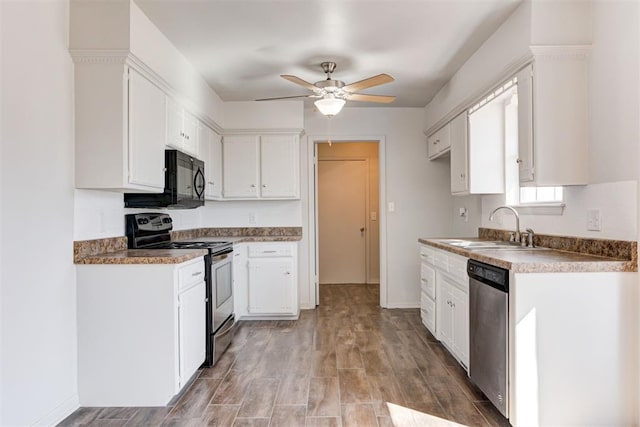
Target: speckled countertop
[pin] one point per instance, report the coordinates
(547, 261)
(113, 250)
(144, 256)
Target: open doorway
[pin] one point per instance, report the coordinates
(348, 208)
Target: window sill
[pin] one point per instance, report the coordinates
(540, 209)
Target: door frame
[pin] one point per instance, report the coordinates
(367, 210)
(312, 170)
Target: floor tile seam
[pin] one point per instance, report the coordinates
(116, 418)
(489, 423)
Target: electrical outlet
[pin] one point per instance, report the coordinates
(594, 220)
(252, 218)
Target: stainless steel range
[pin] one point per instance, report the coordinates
(153, 231)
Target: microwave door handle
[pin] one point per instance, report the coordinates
(199, 189)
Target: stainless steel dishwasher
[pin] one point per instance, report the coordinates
(489, 332)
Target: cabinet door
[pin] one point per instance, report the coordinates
(190, 139)
(459, 153)
(204, 152)
(191, 333)
(146, 132)
(279, 161)
(525, 124)
(444, 323)
(461, 325)
(240, 298)
(271, 286)
(215, 165)
(174, 131)
(432, 145)
(240, 166)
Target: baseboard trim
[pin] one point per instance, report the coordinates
(60, 412)
(404, 305)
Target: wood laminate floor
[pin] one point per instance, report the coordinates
(347, 363)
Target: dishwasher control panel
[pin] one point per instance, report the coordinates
(489, 274)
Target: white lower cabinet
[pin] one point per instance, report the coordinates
(191, 324)
(444, 301)
(141, 331)
(453, 317)
(266, 280)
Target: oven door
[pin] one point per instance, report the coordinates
(221, 288)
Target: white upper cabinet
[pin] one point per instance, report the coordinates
(146, 107)
(553, 117)
(261, 167)
(240, 165)
(459, 153)
(279, 174)
(181, 129)
(477, 151)
(119, 129)
(210, 151)
(439, 142)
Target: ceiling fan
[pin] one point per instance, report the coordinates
(332, 94)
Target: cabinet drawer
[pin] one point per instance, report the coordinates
(428, 280)
(270, 250)
(458, 267)
(442, 260)
(427, 255)
(428, 314)
(190, 274)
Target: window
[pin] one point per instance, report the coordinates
(541, 194)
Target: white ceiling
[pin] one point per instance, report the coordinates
(242, 46)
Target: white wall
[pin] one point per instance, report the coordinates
(616, 201)
(264, 115)
(419, 189)
(38, 322)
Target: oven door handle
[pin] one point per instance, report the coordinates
(219, 257)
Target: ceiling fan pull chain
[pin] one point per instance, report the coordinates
(329, 130)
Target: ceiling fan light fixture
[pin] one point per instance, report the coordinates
(329, 106)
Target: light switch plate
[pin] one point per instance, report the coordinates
(252, 218)
(392, 207)
(594, 220)
(374, 216)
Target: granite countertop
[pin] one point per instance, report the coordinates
(113, 250)
(538, 261)
(144, 256)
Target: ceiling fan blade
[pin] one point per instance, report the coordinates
(299, 81)
(288, 97)
(370, 82)
(383, 99)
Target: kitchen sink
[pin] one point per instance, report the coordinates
(497, 245)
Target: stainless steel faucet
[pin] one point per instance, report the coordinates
(515, 213)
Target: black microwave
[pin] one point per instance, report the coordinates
(184, 184)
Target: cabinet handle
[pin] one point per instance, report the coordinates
(181, 133)
(197, 273)
(187, 136)
(264, 185)
(210, 183)
(268, 252)
(461, 175)
(287, 273)
(253, 186)
(518, 161)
